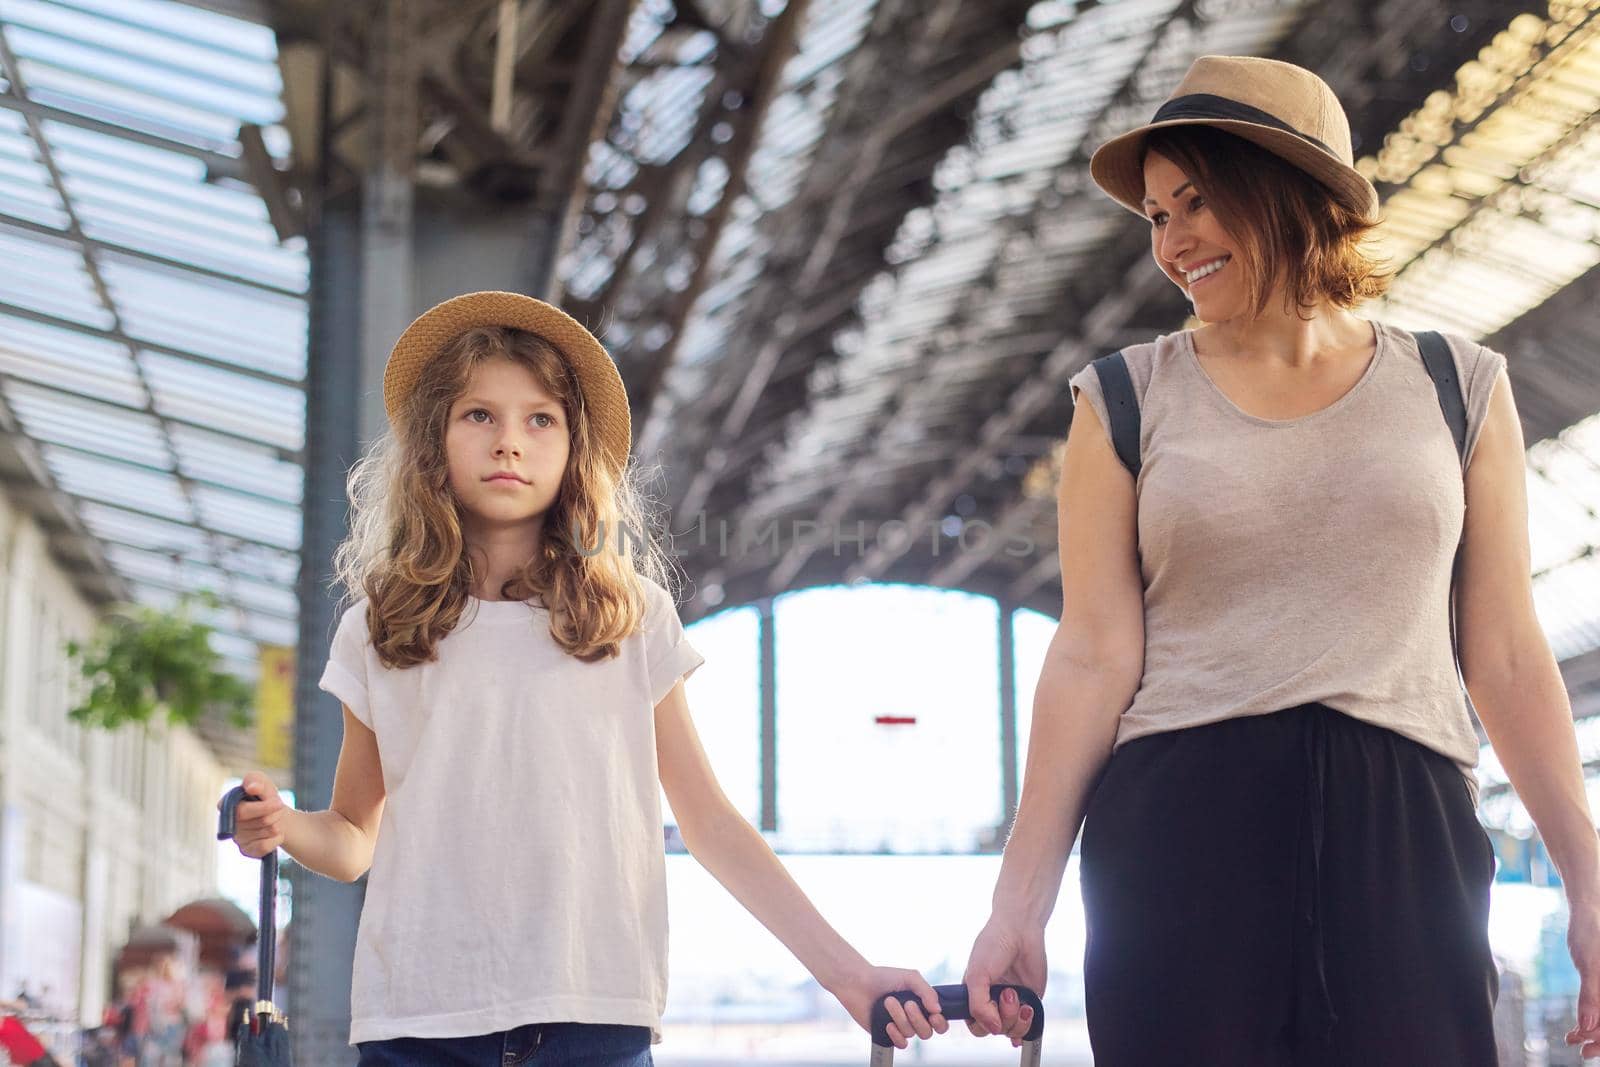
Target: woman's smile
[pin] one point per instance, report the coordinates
(1206, 271)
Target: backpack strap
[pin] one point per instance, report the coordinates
(1442, 369)
(1122, 407)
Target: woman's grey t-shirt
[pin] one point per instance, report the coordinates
(1301, 560)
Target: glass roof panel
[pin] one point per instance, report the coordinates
(183, 572)
(282, 266)
(271, 630)
(104, 99)
(130, 37)
(34, 203)
(265, 598)
(68, 360)
(224, 400)
(217, 32)
(25, 189)
(75, 143)
(90, 175)
(194, 313)
(47, 415)
(55, 282)
(150, 493)
(219, 459)
(231, 513)
(141, 531)
(269, 565)
(224, 92)
(101, 200)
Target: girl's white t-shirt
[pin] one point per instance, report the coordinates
(519, 874)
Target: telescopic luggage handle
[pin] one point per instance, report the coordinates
(953, 1002)
(267, 941)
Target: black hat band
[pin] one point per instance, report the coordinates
(1208, 106)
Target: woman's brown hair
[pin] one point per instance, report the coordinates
(1290, 228)
(406, 551)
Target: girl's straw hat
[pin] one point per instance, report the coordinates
(603, 394)
(1285, 109)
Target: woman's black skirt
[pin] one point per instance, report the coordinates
(1299, 888)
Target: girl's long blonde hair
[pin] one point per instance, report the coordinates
(406, 552)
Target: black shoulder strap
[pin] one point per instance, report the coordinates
(1442, 369)
(1122, 407)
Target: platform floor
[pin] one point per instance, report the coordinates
(1066, 1045)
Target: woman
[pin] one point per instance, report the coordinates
(1251, 703)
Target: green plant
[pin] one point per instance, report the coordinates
(143, 660)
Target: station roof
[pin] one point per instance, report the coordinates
(846, 253)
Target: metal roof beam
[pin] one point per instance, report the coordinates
(273, 185)
(657, 183)
(845, 190)
(590, 101)
(778, 45)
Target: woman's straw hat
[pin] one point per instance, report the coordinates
(1285, 109)
(603, 394)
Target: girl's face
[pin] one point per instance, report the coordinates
(507, 444)
(1190, 245)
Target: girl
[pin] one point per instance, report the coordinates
(1251, 702)
(512, 683)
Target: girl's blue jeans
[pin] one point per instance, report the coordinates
(535, 1045)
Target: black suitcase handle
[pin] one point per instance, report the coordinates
(953, 1002)
(267, 924)
(228, 813)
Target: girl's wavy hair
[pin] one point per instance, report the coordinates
(406, 551)
(1289, 226)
